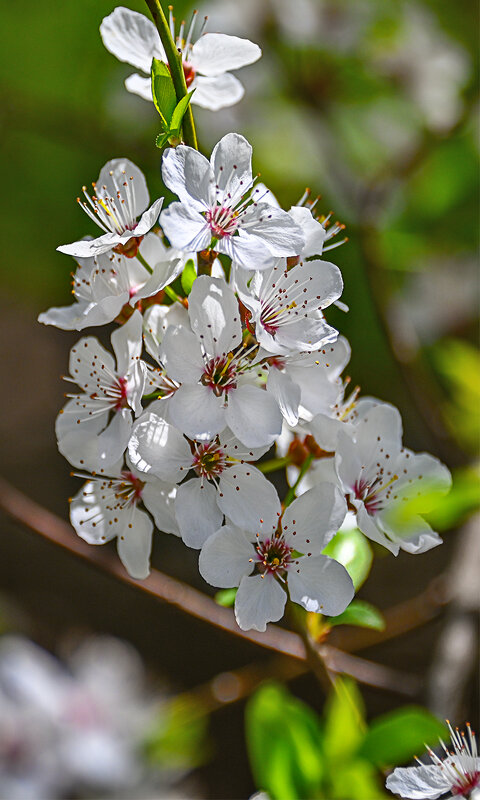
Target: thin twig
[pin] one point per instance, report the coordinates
(170, 590)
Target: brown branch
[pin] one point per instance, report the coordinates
(170, 590)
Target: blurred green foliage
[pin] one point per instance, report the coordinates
(296, 755)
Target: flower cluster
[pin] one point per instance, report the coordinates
(222, 351)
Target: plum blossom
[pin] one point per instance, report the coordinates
(94, 427)
(458, 772)
(224, 483)
(285, 552)
(387, 485)
(219, 210)
(107, 507)
(285, 303)
(133, 38)
(120, 196)
(104, 284)
(215, 373)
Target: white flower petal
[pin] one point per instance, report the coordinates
(157, 448)
(149, 218)
(214, 315)
(215, 53)
(225, 557)
(427, 782)
(115, 173)
(164, 273)
(135, 544)
(88, 361)
(197, 513)
(188, 174)
(231, 162)
(275, 228)
(137, 84)
(88, 248)
(132, 38)
(159, 498)
(127, 343)
(320, 584)
(196, 411)
(182, 355)
(259, 600)
(217, 92)
(247, 498)
(313, 231)
(369, 525)
(185, 227)
(314, 518)
(286, 393)
(92, 521)
(253, 415)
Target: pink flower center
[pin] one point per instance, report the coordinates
(121, 394)
(222, 221)
(373, 494)
(220, 374)
(189, 73)
(465, 784)
(130, 488)
(273, 555)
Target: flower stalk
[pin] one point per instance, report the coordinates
(176, 68)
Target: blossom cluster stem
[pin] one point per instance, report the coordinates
(274, 464)
(144, 263)
(290, 496)
(176, 68)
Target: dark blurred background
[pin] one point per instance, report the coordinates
(370, 103)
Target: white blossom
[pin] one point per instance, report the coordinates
(215, 373)
(133, 38)
(284, 552)
(218, 208)
(107, 507)
(94, 427)
(388, 485)
(285, 303)
(225, 482)
(104, 284)
(458, 772)
(120, 196)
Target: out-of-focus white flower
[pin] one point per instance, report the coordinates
(133, 38)
(88, 436)
(103, 284)
(76, 730)
(120, 196)
(217, 208)
(458, 772)
(285, 552)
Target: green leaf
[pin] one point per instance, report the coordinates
(178, 738)
(356, 780)
(163, 92)
(345, 722)
(351, 549)
(284, 744)
(360, 613)
(397, 737)
(188, 276)
(179, 112)
(226, 597)
(161, 140)
(462, 501)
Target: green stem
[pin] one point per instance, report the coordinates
(290, 496)
(144, 263)
(273, 464)
(175, 63)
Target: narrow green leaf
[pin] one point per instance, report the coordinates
(396, 738)
(352, 549)
(163, 92)
(178, 737)
(345, 723)
(179, 112)
(161, 140)
(360, 613)
(188, 276)
(225, 597)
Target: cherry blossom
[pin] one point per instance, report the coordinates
(285, 552)
(215, 373)
(285, 303)
(387, 485)
(93, 428)
(457, 772)
(218, 209)
(120, 196)
(133, 38)
(224, 483)
(107, 507)
(104, 284)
